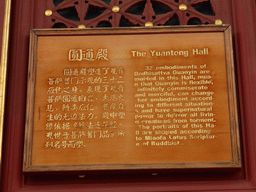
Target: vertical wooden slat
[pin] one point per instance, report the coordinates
(4, 41)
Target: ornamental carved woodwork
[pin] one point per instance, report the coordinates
(128, 13)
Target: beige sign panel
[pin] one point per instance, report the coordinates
(140, 98)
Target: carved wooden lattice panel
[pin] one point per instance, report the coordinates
(125, 13)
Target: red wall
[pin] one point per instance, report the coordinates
(30, 14)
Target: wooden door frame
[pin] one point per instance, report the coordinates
(5, 10)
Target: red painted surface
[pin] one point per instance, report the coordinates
(239, 13)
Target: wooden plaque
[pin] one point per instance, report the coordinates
(137, 98)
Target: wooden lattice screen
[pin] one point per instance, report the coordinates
(127, 13)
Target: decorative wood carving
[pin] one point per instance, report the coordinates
(124, 13)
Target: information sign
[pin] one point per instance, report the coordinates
(137, 98)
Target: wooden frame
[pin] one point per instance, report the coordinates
(3, 68)
(229, 91)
